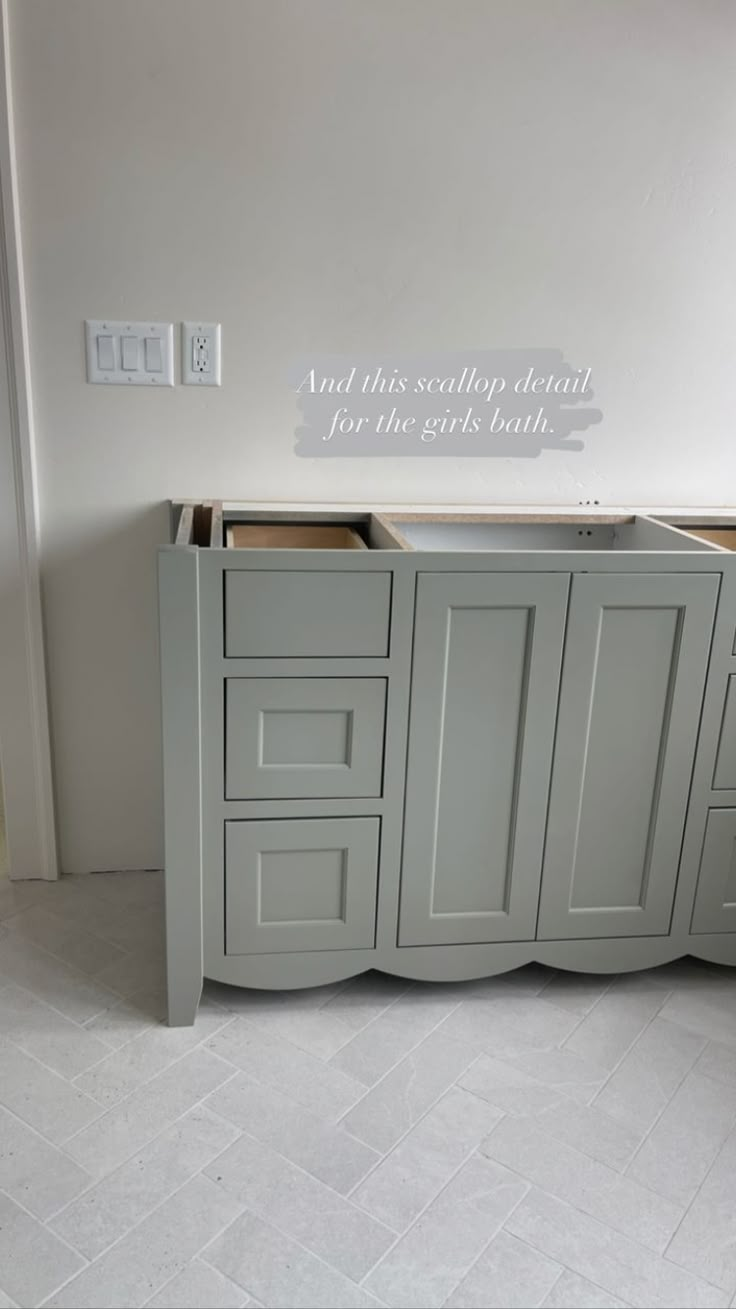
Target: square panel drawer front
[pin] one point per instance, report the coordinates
(303, 737)
(715, 898)
(271, 614)
(300, 884)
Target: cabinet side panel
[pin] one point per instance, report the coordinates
(180, 696)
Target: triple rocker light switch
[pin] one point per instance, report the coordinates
(122, 353)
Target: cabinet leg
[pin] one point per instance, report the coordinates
(184, 991)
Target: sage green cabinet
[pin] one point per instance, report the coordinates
(636, 656)
(715, 898)
(486, 664)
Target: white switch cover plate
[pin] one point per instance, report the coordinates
(200, 354)
(121, 352)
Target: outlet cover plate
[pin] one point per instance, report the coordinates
(145, 342)
(200, 354)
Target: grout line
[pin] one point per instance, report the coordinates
(394, 1066)
(43, 1223)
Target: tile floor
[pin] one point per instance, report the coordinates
(540, 1139)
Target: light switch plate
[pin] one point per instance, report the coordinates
(146, 345)
(200, 354)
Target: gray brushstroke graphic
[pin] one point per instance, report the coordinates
(479, 403)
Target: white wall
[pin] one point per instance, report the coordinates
(349, 175)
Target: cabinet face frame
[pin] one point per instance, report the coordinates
(486, 667)
(593, 769)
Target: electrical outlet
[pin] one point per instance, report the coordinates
(200, 354)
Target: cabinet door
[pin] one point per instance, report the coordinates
(715, 898)
(636, 655)
(487, 653)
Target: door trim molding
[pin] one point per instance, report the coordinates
(24, 720)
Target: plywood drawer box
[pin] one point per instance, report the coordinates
(300, 884)
(270, 614)
(304, 737)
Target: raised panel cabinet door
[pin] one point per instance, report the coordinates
(715, 898)
(636, 656)
(298, 884)
(487, 654)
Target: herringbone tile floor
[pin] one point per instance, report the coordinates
(538, 1139)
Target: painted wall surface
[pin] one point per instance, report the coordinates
(368, 175)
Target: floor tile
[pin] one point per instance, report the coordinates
(508, 1087)
(425, 1159)
(278, 1272)
(303, 1207)
(573, 1074)
(121, 1073)
(510, 1025)
(16, 896)
(571, 1291)
(592, 1130)
(605, 1257)
(82, 950)
(110, 1208)
(648, 1076)
(433, 1256)
(126, 1128)
(274, 1062)
(718, 1062)
(682, 1145)
(577, 992)
(31, 1024)
(705, 1242)
(366, 997)
(406, 1093)
(196, 1285)
(376, 1050)
(612, 1026)
(314, 1144)
(702, 1013)
(33, 1262)
(134, 1269)
(509, 1273)
(35, 1173)
(40, 1097)
(138, 971)
(74, 995)
(584, 1182)
(128, 1018)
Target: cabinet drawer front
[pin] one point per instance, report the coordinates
(301, 615)
(715, 898)
(487, 655)
(300, 884)
(724, 777)
(303, 737)
(633, 673)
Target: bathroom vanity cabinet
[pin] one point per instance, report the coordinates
(444, 746)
